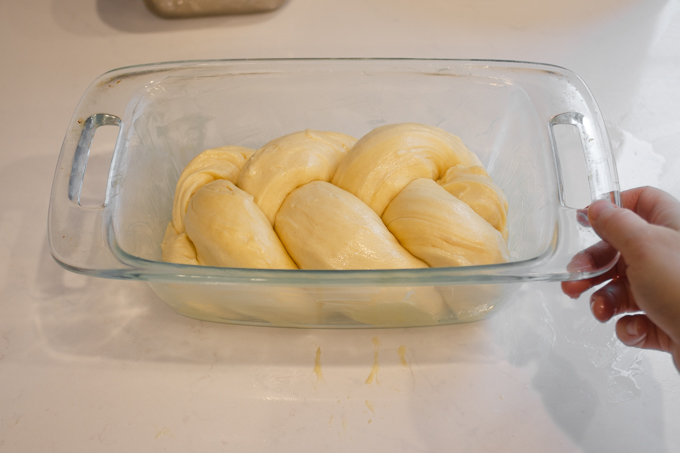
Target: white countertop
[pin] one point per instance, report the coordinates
(90, 364)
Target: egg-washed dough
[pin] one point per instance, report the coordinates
(229, 230)
(391, 306)
(177, 248)
(474, 186)
(474, 302)
(440, 229)
(325, 227)
(455, 216)
(388, 158)
(224, 162)
(288, 162)
(290, 307)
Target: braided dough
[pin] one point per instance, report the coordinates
(440, 229)
(325, 227)
(291, 161)
(403, 196)
(388, 158)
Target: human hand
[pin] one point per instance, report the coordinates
(647, 276)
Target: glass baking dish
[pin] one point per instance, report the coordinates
(167, 113)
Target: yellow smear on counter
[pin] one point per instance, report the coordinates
(317, 365)
(376, 366)
(163, 431)
(369, 405)
(402, 355)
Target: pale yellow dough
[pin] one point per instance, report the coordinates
(440, 229)
(177, 248)
(288, 162)
(229, 230)
(388, 173)
(474, 186)
(325, 227)
(393, 306)
(225, 162)
(388, 158)
(280, 306)
(403, 196)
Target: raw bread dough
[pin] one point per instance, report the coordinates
(474, 187)
(177, 247)
(393, 306)
(388, 158)
(229, 230)
(225, 162)
(325, 227)
(288, 162)
(390, 172)
(440, 229)
(439, 207)
(280, 306)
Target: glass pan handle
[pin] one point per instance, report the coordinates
(602, 176)
(76, 233)
(572, 236)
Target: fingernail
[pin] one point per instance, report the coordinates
(582, 217)
(581, 262)
(636, 329)
(598, 207)
(595, 299)
(601, 308)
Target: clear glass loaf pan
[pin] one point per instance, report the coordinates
(167, 113)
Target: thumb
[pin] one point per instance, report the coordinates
(619, 227)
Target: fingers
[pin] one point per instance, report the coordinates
(575, 288)
(595, 257)
(654, 205)
(612, 299)
(645, 232)
(638, 331)
(621, 228)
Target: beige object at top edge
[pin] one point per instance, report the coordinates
(388, 158)
(174, 9)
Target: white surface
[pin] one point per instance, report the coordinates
(96, 365)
